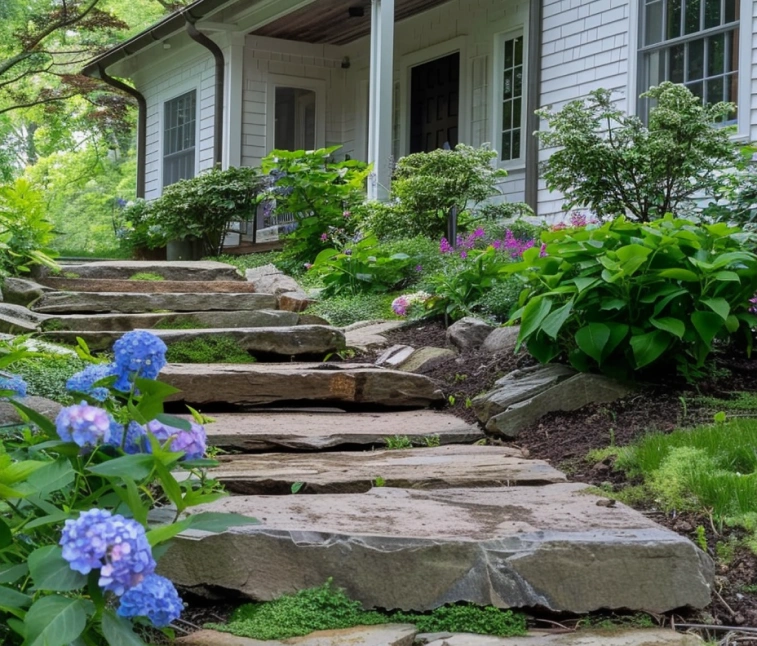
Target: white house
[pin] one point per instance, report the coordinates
(229, 80)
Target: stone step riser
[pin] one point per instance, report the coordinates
(125, 269)
(147, 286)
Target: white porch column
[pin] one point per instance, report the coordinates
(381, 86)
(234, 54)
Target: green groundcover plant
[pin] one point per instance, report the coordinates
(626, 296)
(78, 547)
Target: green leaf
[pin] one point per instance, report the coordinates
(613, 304)
(12, 573)
(50, 519)
(175, 422)
(542, 348)
(55, 621)
(676, 327)
(592, 339)
(137, 467)
(155, 388)
(648, 347)
(10, 598)
(50, 571)
(297, 487)
(534, 313)
(170, 486)
(727, 276)
(678, 273)
(707, 324)
(6, 537)
(118, 632)
(218, 522)
(553, 323)
(618, 332)
(732, 324)
(583, 283)
(718, 305)
(44, 424)
(632, 252)
(54, 476)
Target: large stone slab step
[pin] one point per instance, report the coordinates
(386, 635)
(259, 384)
(16, 319)
(169, 270)
(146, 286)
(422, 468)
(285, 341)
(126, 322)
(314, 431)
(137, 303)
(552, 547)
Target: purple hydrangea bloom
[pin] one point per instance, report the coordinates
(132, 438)
(192, 442)
(83, 382)
(139, 353)
(14, 383)
(85, 425)
(400, 305)
(116, 545)
(155, 598)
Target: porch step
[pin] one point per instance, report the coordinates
(168, 270)
(146, 286)
(551, 546)
(259, 384)
(313, 431)
(422, 468)
(137, 303)
(286, 341)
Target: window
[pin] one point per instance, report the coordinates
(179, 132)
(694, 42)
(294, 111)
(512, 100)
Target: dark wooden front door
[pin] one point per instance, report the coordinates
(434, 103)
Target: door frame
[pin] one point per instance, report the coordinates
(408, 61)
(316, 85)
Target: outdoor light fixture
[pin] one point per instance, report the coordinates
(356, 11)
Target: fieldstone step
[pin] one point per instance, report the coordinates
(314, 431)
(146, 286)
(370, 335)
(169, 270)
(286, 341)
(137, 303)
(422, 468)
(200, 320)
(16, 319)
(552, 547)
(386, 635)
(258, 384)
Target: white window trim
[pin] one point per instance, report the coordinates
(300, 83)
(184, 89)
(413, 59)
(745, 65)
(498, 64)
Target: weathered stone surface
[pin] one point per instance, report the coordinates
(126, 322)
(468, 332)
(19, 291)
(170, 270)
(394, 356)
(299, 431)
(295, 301)
(387, 635)
(267, 383)
(369, 335)
(148, 286)
(655, 637)
(571, 394)
(549, 546)
(518, 386)
(502, 340)
(9, 415)
(15, 319)
(270, 280)
(421, 468)
(426, 359)
(286, 341)
(312, 319)
(135, 303)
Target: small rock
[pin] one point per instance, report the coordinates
(502, 340)
(19, 291)
(600, 468)
(468, 333)
(395, 355)
(269, 280)
(426, 359)
(295, 301)
(683, 526)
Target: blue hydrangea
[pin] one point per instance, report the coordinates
(116, 545)
(83, 382)
(135, 440)
(139, 353)
(85, 425)
(13, 383)
(192, 442)
(155, 598)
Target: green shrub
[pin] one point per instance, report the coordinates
(47, 376)
(498, 302)
(140, 229)
(210, 349)
(347, 309)
(612, 163)
(627, 296)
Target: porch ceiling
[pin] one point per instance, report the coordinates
(328, 21)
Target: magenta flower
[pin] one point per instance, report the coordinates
(479, 233)
(445, 246)
(324, 237)
(497, 244)
(346, 215)
(400, 305)
(419, 268)
(543, 250)
(463, 254)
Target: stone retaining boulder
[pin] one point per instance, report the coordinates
(270, 280)
(468, 333)
(19, 291)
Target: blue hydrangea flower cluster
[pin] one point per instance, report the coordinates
(139, 353)
(132, 438)
(84, 381)
(85, 425)
(155, 598)
(116, 545)
(192, 442)
(14, 383)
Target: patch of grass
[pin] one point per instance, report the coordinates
(173, 323)
(53, 325)
(329, 608)
(741, 401)
(147, 276)
(600, 455)
(432, 441)
(398, 442)
(345, 310)
(47, 376)
(210, 349)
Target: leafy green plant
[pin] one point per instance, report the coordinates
(398, 442)
(627, 296)
(146, 276)
(612, 163)
(318, 191)
(139, 228)
(46, 376)
(179, 323)
(208, 349)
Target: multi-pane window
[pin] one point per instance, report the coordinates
(294, 118)
(179, 133)
(694, 42)
(512, 99)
